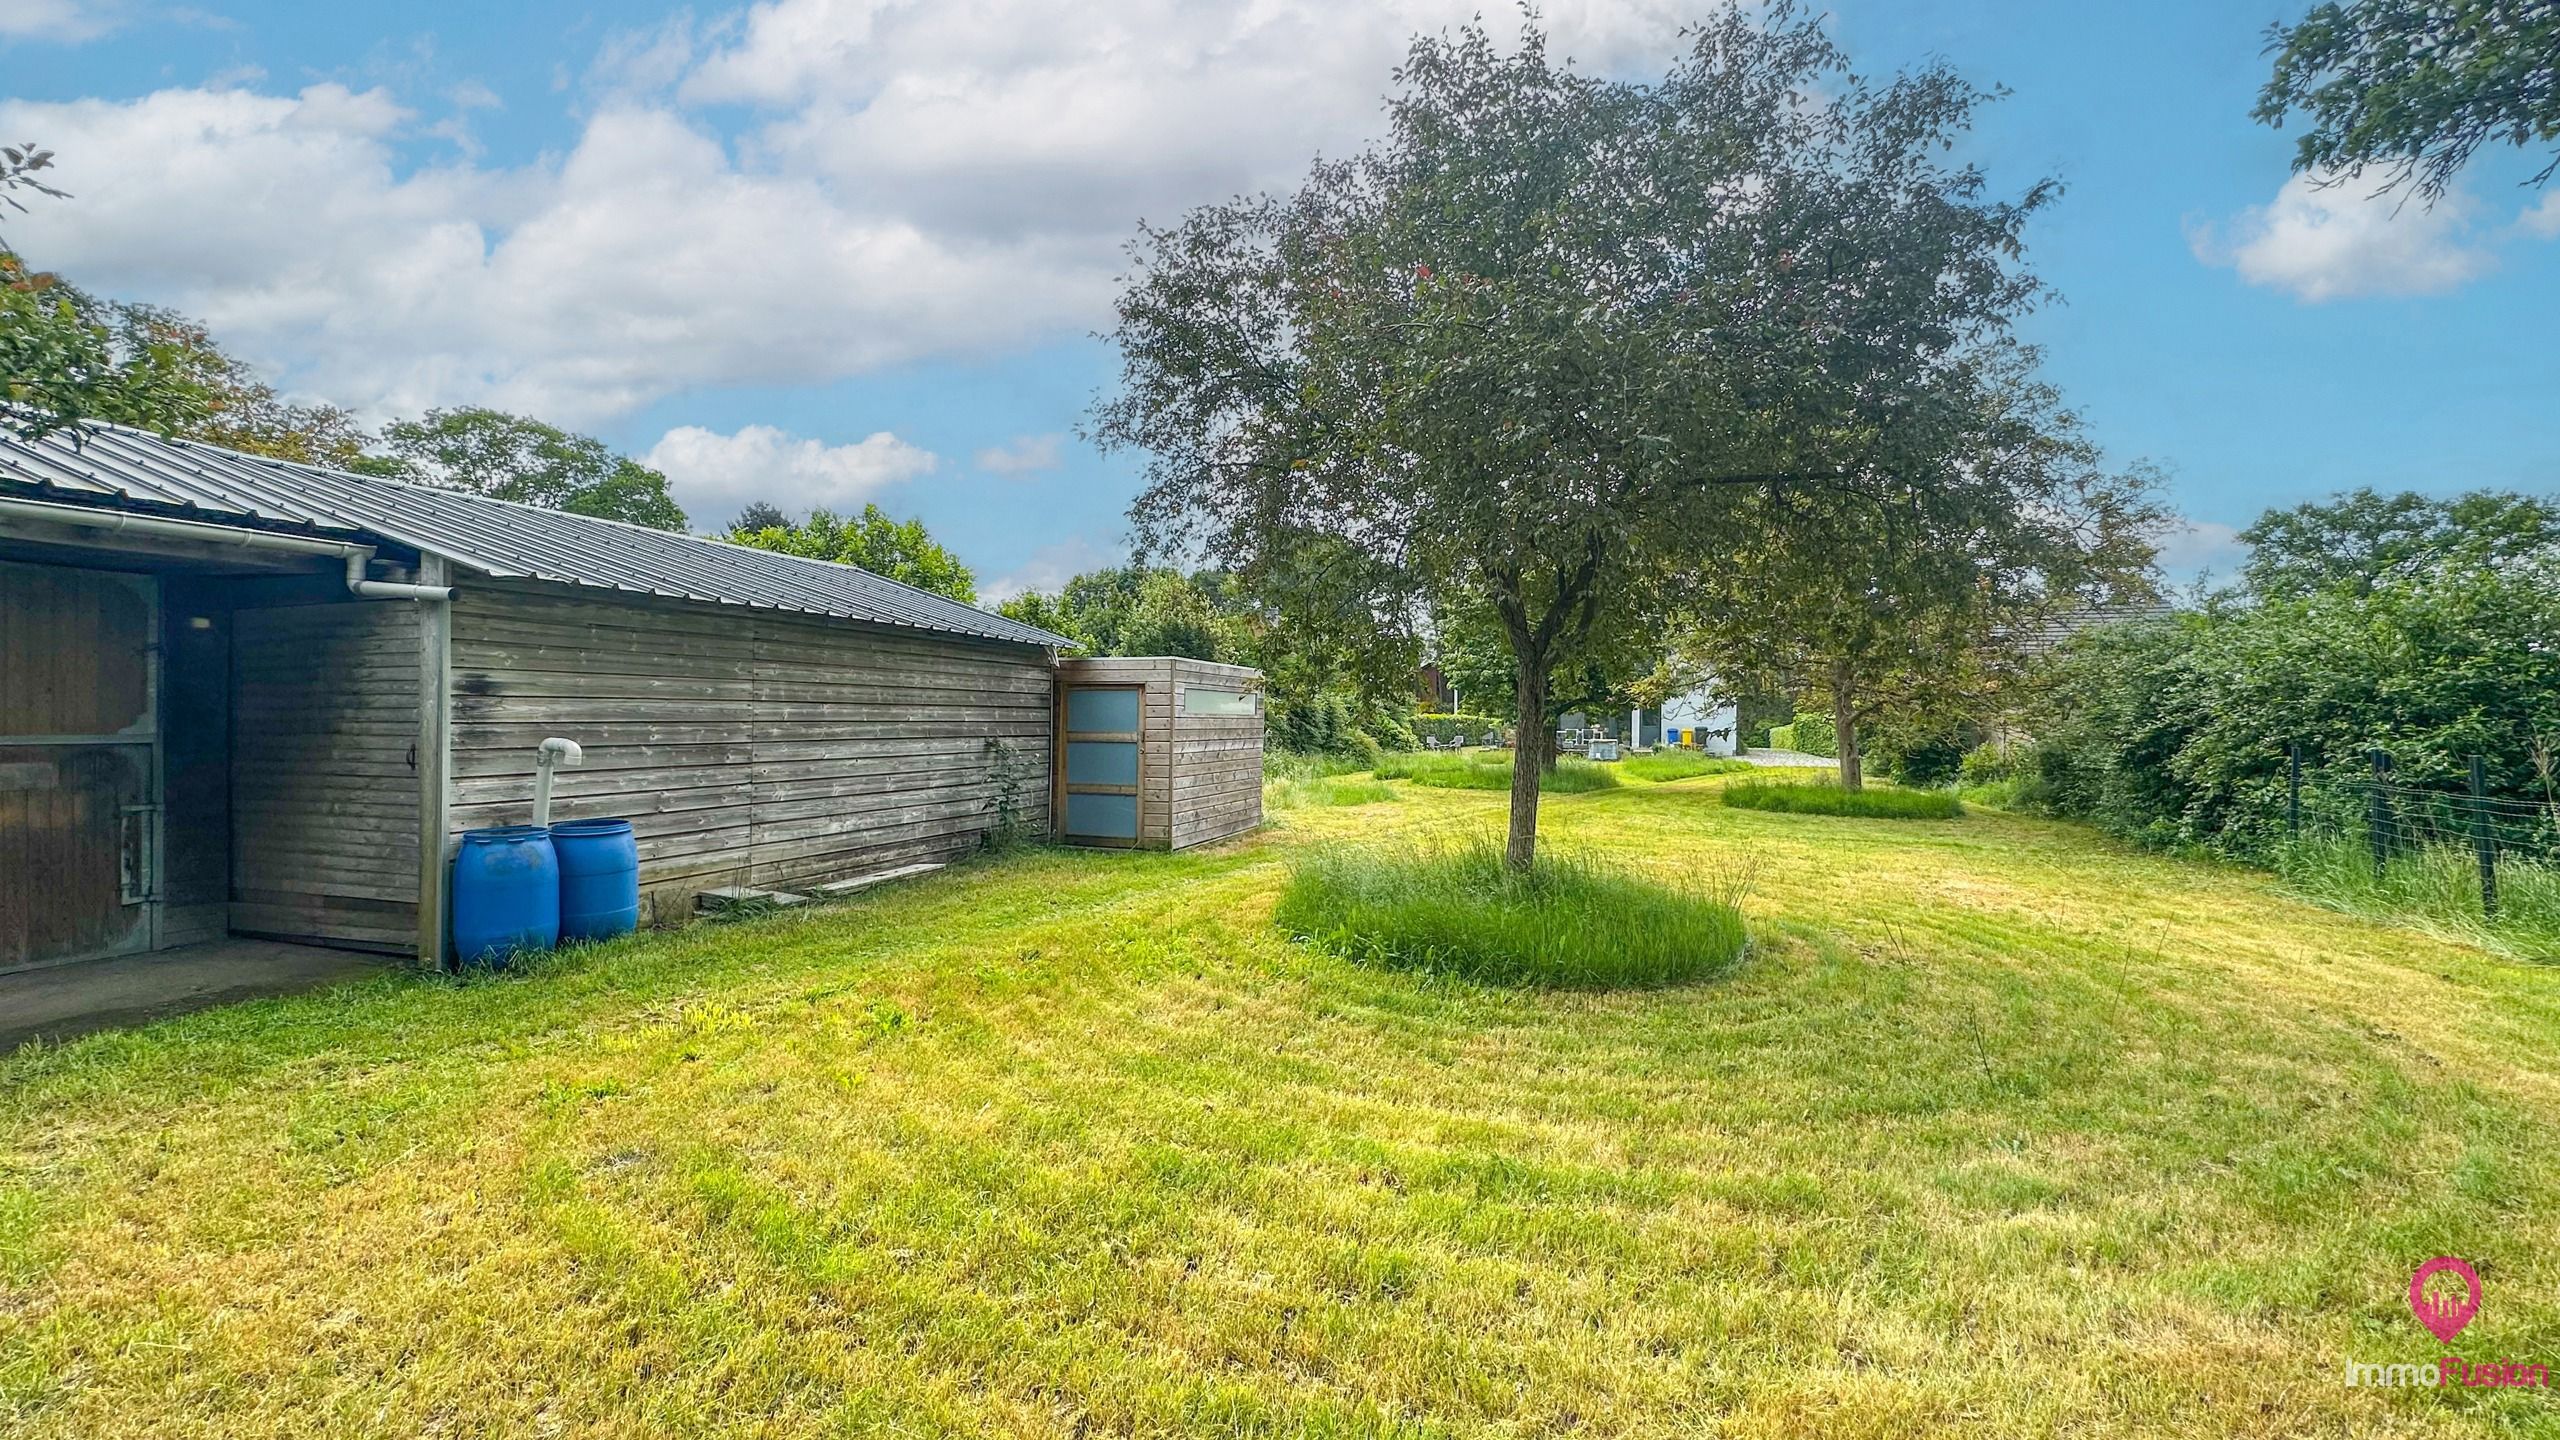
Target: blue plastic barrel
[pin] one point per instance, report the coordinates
(599, 879)
(506, 893)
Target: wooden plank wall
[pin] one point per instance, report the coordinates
(1217, 759)
(324, 791)
(746, 747)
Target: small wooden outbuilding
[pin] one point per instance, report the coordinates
(245, 697)
(1157, 753)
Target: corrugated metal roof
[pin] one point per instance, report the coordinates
(2053, 631)
(119, 468)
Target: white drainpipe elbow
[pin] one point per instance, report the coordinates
(365, 589)
(551, 754)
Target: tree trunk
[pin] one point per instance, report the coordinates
(1844, 720)
(1528, 762)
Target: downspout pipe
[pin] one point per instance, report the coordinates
(357, 557)
(361, 556)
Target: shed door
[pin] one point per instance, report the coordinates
(78, 759)
(1099, 766)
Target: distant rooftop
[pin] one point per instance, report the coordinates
(2048, 634)
(114, 467)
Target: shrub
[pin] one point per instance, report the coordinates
(1569, 922)
(1810, 734)
(1664, 765)
(1927, 762)
(1984, 764)
(1489, 770)
(1319, 724)
(1464, 727)
(1799, 798)
(1389, 733)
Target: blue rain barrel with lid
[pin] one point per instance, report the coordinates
(599, 879)
(506, 893)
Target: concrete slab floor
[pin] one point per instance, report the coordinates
(64, 1001)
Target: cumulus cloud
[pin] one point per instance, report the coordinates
(2339, 241)
(1023, 455)
(914, 179)
(713, 476)
(65, 21)
(2192, 549)
(2543, 220)
(1049, 569)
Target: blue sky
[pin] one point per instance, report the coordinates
(836, 250)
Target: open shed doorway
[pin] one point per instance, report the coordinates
(194, 750)
(79, 763)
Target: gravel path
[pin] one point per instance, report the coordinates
(1788, 757)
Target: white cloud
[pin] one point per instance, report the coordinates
(2192, 549)
(2340, 241)
(1023, 455)
(1049, 569)
(2543, 220)
(919, 179)
(65, 21)
(713, 476)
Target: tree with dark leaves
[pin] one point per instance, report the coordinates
(2415, 87)
(1562, 343)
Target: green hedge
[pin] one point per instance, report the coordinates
(1810, 734)
(1460, 726)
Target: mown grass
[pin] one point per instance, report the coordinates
(1489, 770)
(1569, 920)
(1816, 798)
(1666, 765)
(2000, 1130)
(2435, 885)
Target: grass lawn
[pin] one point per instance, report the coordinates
(1998, 1129)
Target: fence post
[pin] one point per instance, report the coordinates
(2293, 791)
(2484, 841)
(2377, 814)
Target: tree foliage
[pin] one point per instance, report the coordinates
(899, 550)
(2177, 730)
(2415, 87)
(761, 515)
(513, 457)
(2363, 538)
(1556, 340)
(62, 366)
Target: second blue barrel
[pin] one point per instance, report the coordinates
(506, 893)
(599, 878)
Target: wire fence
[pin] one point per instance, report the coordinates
(2454, 849)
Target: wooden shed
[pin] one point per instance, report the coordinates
(241, 697)
(1157, 753)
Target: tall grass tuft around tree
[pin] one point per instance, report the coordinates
(1818, 798)
(1570, 921)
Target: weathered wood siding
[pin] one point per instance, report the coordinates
(1199, 777)
(324, 789)
(745, 747)
(1217, 759)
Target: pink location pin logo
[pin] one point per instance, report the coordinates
(2444, 1316)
